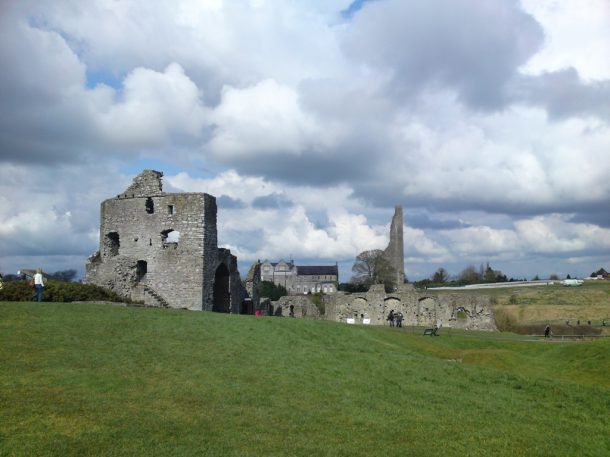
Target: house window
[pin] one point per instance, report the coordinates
(171, 210)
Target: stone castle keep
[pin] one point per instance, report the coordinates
(161, 249)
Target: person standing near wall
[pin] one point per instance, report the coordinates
(391, 318)
(38, 284)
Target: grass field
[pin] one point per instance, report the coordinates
(554, 304)
(103, 380)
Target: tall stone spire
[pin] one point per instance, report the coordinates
(395, 251)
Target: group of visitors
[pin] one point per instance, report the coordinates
(395, 318)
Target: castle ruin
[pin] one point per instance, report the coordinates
(419, 308)
(161, 249)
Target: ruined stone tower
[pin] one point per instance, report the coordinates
(395, 250)
(161, 249)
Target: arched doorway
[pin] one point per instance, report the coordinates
(141, 270)
(222, 294)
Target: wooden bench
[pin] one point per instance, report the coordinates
(431, 331)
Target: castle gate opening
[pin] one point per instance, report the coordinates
(222, 294)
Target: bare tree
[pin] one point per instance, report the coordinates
(440, 276)
(469, 275)
(372, 267)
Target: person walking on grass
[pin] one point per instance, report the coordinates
(547, 331)
(38, 284)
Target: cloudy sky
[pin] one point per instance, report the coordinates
(488, 121)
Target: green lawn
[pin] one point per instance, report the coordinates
(103, 380)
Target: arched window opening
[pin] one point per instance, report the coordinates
(150, 206)
(173, 236)
(170, 237)
(112, 243)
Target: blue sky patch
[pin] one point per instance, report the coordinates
(354, 7)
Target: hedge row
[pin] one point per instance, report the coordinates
(57, 291)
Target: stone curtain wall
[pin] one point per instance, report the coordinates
(302, 307)
(418, 308)
(471, 312)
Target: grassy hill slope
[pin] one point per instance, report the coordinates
(113, 381)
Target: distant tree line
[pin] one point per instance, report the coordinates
(372, 267)
(469, 275)
(62, 275)
(601, 273)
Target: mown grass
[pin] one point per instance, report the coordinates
(104, 380)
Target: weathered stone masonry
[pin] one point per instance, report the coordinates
(394, 252)
(162, 249)
(419, 308)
